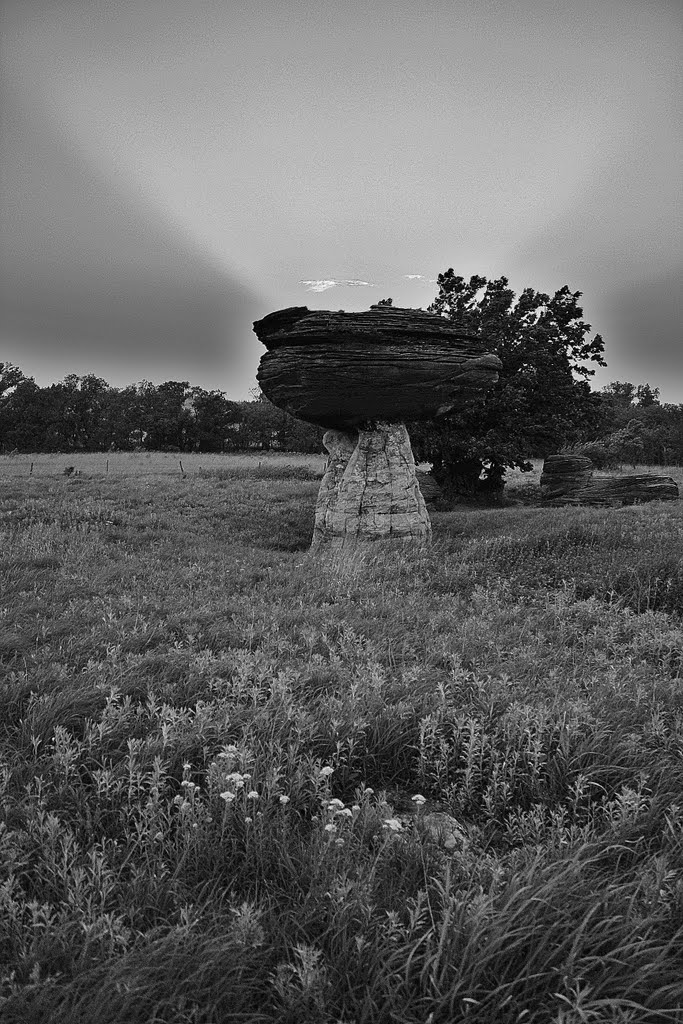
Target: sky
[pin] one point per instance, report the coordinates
(172, 170)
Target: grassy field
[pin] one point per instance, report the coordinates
(152, 464)
(243, 785)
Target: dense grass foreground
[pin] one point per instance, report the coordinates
(242, 785)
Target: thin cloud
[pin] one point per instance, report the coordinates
(317, 286)
(323, 285)
(414, 277)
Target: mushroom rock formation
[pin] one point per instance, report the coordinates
(362, 375)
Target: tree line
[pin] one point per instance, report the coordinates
(628, 424)
(542, 403)
(86, 414)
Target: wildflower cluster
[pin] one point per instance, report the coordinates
(232, 785)
(191, 807)
(337, 817)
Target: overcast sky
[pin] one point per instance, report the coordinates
(171, 170)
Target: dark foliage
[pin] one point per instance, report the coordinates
(542, 399)
(85, 414)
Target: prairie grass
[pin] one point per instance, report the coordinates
(211, 742)
(151, 464)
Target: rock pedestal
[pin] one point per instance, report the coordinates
(369, 490)
(362, 375)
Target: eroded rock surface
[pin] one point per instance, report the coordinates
(564, 475)
(375, 494)
(341, 369)
(362, 375)
(569, 480)
(340, 446)
(621, 490)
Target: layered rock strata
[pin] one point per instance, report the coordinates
(370, 490)
(564, 475)
(362, 375)
(341, 369)
(621, 490)
(569, 480)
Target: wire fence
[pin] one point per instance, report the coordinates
(127, 464)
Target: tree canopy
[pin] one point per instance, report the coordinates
(542, 399)
(87, 414)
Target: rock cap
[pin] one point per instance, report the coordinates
(381, 325)
(345, 370)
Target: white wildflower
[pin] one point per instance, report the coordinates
(229, 753)
(394, 824)
(419, 799)
(326, 770)
(331, 827)
(284, 799)
(228, 796)
(253, 794)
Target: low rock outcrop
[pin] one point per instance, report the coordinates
(622, 490)
(362, 375)
(564, 475)
(569, 480)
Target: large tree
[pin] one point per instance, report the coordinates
(18, 428)
(542, 399)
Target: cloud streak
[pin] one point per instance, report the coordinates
(95, 279)
(323, 284)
